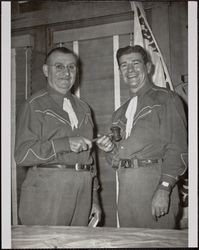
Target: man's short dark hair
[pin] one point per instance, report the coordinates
(60, 50)
(132, 49)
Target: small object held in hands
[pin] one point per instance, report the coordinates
(95, 139)
(114, 135)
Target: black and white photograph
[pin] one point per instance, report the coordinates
(99, 124)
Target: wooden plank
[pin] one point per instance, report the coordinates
(93, 31)
(76, 50)
(178, 34)
(56, 12)
(32, 237)
(116, 73)
(97, 89)
(22, 41)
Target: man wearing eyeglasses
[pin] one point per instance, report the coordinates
(53, 140)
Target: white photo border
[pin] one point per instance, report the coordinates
(6, 123)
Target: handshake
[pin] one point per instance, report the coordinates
(105, 142)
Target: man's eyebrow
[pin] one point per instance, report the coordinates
(135, 60)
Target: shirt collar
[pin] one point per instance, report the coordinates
(58, 97)
(143, 90)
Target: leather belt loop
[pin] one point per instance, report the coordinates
(119, 165)
(135, 163)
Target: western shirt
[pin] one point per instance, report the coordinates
(43, 130)
(159, 131)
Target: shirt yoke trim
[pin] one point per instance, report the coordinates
(52, 113)
(181, 155)
(53, 146)
(34, 98)
(148, 112)
(40, 158)
(151, 107)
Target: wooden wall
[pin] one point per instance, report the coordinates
(168, 21)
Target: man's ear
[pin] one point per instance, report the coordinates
(45, 70)
(149, 67)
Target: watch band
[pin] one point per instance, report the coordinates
(164, 185)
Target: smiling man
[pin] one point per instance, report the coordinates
(152, 152)
(53, 140)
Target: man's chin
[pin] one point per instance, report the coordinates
(133, 85)
(63, 91)
(66, 88)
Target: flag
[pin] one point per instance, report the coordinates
(143, 36)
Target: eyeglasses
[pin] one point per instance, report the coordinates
(61, 67)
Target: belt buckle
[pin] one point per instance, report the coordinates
(126, 163)
(78, 167)
(60, 166)
(135, 163)
(149, 161)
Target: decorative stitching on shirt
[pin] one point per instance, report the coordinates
(137, 117)
(81, 123)
(156, 105)
(50, 112)
(47, 113)
(149, 111)
(37, 97)
(35, 155)
(53, 147)
(181, 155)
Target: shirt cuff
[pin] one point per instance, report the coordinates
(62, 145)
(167, 182)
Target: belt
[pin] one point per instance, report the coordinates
(136, 163)
(77, 166)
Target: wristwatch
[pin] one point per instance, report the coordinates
(165, 186)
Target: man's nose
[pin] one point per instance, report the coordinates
(130, 67)
(66, 70)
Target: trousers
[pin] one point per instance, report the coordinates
(136, 189)
(55, 197)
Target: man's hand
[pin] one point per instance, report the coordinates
(105, 143)
(78, 144)
(160, 203)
